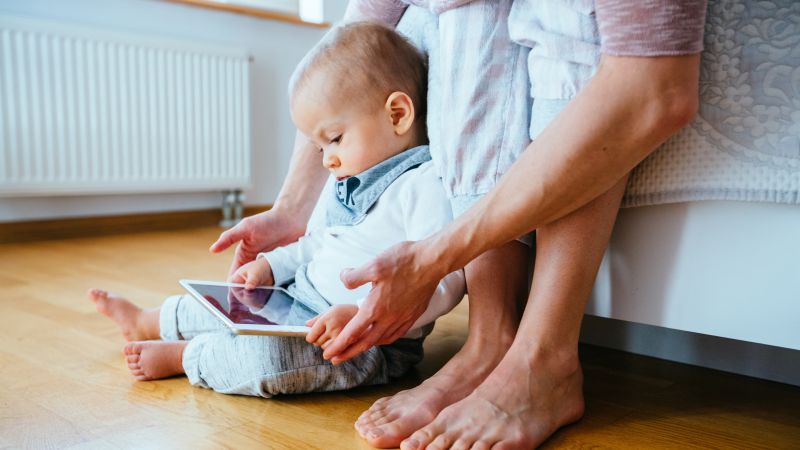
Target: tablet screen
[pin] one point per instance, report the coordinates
(260, 306)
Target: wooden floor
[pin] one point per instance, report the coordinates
(63, 383)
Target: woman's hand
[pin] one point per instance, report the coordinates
(287, 220)
(402, 286)
(259, 233)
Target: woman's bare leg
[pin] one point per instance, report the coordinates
(497, 285)
(538, 386)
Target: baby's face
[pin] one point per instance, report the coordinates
(351, 139)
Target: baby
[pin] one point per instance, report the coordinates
(359, 96)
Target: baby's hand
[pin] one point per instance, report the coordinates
(253, 274)
(325, 327)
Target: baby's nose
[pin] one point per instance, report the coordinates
(330, 161)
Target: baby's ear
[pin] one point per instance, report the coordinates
(400, 108)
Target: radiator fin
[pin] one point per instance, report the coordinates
(88, 111)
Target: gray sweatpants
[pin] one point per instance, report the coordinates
(268, 365)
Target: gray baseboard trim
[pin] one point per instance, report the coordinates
(729, 355)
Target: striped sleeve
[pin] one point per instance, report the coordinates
(651, 27)
(385, 11)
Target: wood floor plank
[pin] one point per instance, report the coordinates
(64, 384)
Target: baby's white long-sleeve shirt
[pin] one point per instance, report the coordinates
(412, 208)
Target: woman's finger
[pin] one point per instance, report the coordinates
(325, 344)
(390, 331)
(351, 332)
(361, 343)
(316, 332)
(241, 257)
(228, 238)
(396, 334)
(364, 343)
(353, 278)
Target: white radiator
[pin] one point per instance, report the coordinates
(85, 111)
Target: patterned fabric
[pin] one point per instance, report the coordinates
(386, 11)
(632, 28)
(651, 27)
(564, 43)
(265, 366)
(745, 142)
(478, 114)
(478, 110)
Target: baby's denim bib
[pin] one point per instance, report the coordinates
(354, 196)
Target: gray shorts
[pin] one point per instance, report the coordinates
(264, 366)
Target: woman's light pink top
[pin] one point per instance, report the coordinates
(627, 28)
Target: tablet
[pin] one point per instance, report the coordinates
(265, 310)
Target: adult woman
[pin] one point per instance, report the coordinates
(566, 185)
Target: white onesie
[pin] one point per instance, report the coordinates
(412, 208)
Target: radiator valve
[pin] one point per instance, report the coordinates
(232, 208)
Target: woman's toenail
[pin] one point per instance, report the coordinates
(375, 433)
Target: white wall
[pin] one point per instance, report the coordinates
(276, 48)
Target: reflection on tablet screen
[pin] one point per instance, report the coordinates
(258, 306)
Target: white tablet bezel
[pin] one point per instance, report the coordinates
(247, 329)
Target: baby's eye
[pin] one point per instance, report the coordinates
(336, 140)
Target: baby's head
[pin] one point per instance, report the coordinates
(359, 96)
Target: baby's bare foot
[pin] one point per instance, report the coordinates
(127, 315)
(152, 360)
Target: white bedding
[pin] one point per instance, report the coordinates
(745, 142)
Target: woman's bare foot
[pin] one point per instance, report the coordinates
(391, 419)
(496, 287)
(134, 322)
(518, 406)
(153, 360)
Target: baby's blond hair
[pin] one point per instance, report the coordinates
(365, 61)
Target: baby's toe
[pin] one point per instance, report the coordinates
(132, 348)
